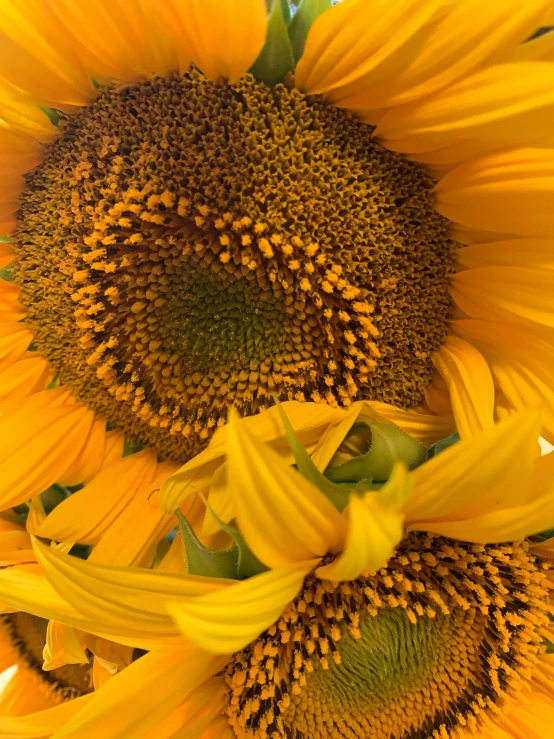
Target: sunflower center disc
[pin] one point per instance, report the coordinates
(188, 244)
(440, 640)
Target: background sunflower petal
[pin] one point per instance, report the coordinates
(509, 192)
(484, 472)
(470, 384)
(222, 39)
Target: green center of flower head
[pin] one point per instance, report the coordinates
(189, 244)
(433, 644)
(441, 638)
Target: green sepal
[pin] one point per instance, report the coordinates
(389, 444)
(6, 274)
(53, 114)
(53, 496)
(338, 494)
(276, 58)
(441, 445)
(285, 7)
(543, 536)
(248, 564)
(130, 446)
(306, 13)
(203, 561)
(18, 514)
(549, 646)
(82, 551)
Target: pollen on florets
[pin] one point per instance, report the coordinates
(238, 242)
(441, 639)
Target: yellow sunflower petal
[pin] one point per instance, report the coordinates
(7, 225)
(34, 58)
(419, 57)
(426, 428)
(267, 427)
(202, 707)
(115, 38)
(23, 114)
(14, 341)
(113, 449)
(507, 524)
(11, 310)
(42, 724)
(38, 448)
(478, 474)
(541, 47)
(28, 375)
(25, 588)
(85, 516)
(283, 516)
(19, 152)
(223, 39)
(467, 235)
(508, 192)
(137, 530)
(125, 598)
(62, 647)
(142, 695)
(7, 208)
(517, 294)
(221, 503)
(226, 622)
(521, 362)
(533, 253)
(437, 395)
(7, 254)
(470, 384)
(375, 527)
(531, 717)
(353, 40)
(89, 460)
(498, 107)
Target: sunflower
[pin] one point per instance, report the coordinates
(416, 607)
(217, 203)
(44, 663)
(28, 686)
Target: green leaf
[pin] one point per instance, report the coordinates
(248, 564)
(203, 561)
(389, 444)
(307, 12)
(276, 58)
(337, 494)
(441, 445)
